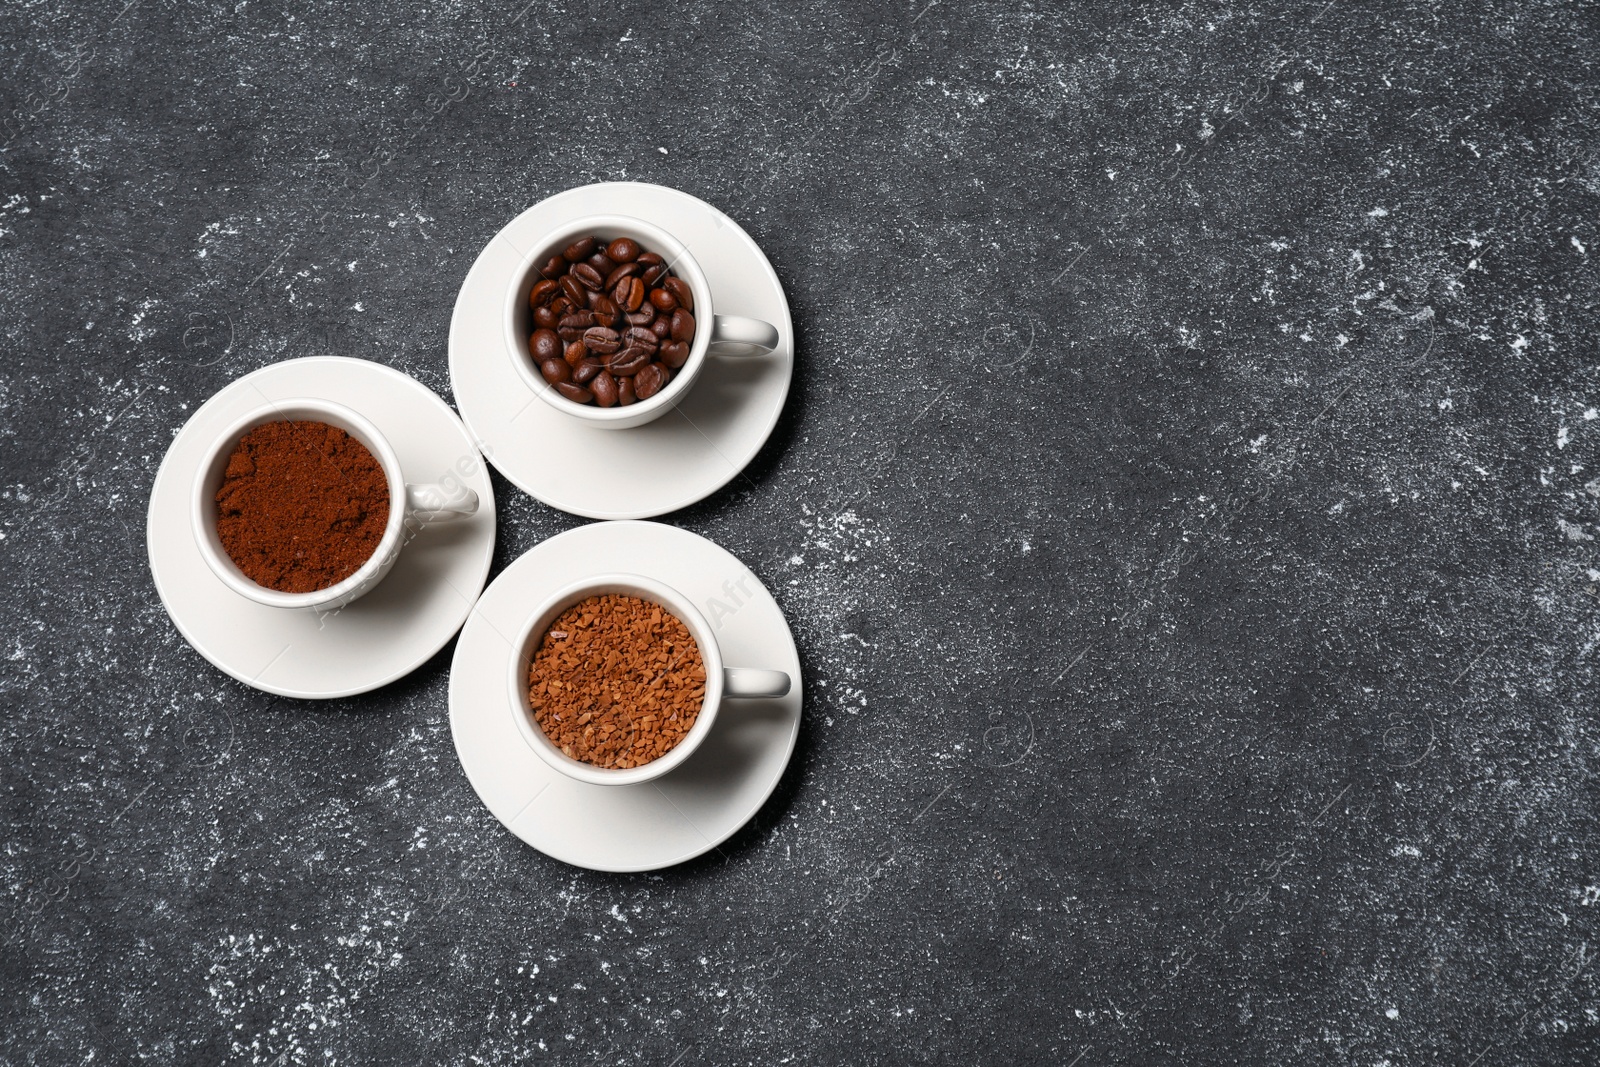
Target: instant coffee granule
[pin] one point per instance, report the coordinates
(302, 506)
(617, 681)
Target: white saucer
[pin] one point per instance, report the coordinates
(389, 632)
(626, 827)
(680, 458)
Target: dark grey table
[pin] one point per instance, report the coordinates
(1186, 510)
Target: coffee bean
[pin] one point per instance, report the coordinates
(544, 345)
(542, 291)
(682, 326)
(640, 337)
(626, 270)
(674, 354)
(555, 370)
(611, 321)
(601, 340)
(605, 389)
(629, 294)
(680, 289)
(650, 381)
(629, 361)
(572, 326)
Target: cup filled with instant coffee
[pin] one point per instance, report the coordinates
(303, 504)
(610, 320)
(618, 678)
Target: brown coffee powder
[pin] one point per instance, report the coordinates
(302, 506)
(617, 681)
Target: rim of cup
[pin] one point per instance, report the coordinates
(533, 631)
(208, 479)
(519, 324)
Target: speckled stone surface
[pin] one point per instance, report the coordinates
(1186, 510)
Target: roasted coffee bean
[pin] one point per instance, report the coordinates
(640, 337)
(674, 354)
(544, 345)
(682, 326)
(542, 291)
(629, 294)
(605, 315)
(626, 270)
(629, 361)
(650, 381)
(601, 340)
(573, 291)
(604, 387)
(680, 289)
(555, 370)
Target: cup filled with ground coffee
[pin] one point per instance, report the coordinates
(610, 320)
(617, 679)
(303, 504)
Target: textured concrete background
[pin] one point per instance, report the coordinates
(1186, 509)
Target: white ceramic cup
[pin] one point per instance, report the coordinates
(721, 682)
(410, 506)
(715, 335)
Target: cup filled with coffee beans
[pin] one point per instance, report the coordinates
(610, 320)
(618, 678)
(303, 504)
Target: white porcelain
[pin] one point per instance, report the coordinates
(701, 801)
(397, 625)
(730, 336)
(410, 506)
(695, 446)
(721, 681)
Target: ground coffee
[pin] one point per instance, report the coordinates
(617, 681)
(302, 506)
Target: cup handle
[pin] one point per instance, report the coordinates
(734, 335)
(748, 682)
(439, 504)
